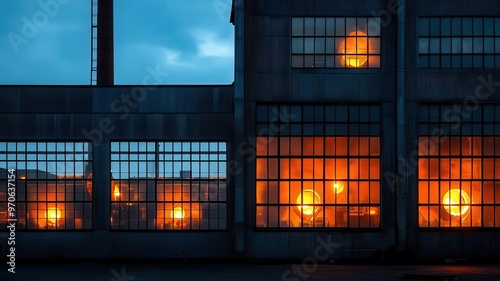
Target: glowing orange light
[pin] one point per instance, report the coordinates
(338, 188)
(355, 49)
(53, 214)
(116, 191)
(307, 197)
(23, 177)
(178, 213)
(452, 200)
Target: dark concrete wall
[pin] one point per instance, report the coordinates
(269, 77)
(452, 86)
(163, 113)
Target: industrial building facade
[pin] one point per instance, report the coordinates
(374, 125)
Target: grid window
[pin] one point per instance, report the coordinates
(318, 166)
(53, 184)
(459, 166)
(335, 42)
(168, 185)
(459, 42)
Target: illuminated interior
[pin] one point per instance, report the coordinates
(307, 201)
(355, 49)
(335, 42)
(456, 202)
(172, 194)
(458, 181)
(338, 188)
(116, 192)
(178, 213)
(54, 184)
(53, 215)
(318, 182)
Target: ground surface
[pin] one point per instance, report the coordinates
(238, 272)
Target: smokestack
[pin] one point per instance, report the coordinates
(105, 44)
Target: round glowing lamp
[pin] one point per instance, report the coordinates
(53, 214)
(338, 188)
(456, 203)
(306, 199)
(355, 50)
(178, 213)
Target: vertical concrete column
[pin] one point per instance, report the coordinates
(101, 185)
(239, 121)
(401, 130)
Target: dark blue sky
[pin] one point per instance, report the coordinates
(191, 40)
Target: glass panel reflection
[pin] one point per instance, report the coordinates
(168, 186)
(53, 184)
(319, 181)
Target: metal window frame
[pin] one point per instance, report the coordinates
(426, 119)
(426, 60)
(156, 180)
(271, 122)
(333, 54)
(22, 205)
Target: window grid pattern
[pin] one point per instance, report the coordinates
(53, 184)
(459, 166)
(168, 185)
(335, 42)
(315, 171)
(459, 42)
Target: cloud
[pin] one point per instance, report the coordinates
(209, 45)
(186, 38)
(171, 56)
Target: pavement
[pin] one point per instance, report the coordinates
(240, 272)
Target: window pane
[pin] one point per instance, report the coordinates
(330, 26)
(423, 27)
(350, 24)
(309, 27)
(297, 26)
(467, 45)
(489, 26)
(478, 26)
(456, 26)
(445, 26)
(445, 45)
(297, 46)
(435, 26)
(489, 45)
(467, 26)
(320, 27)
(423, 46)
(374, 45)
(456, 45)
(320, 46)
(297, 61)
(434, 44)
(478, 45)
(330, 45)
(340, 27)
(309, 45)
